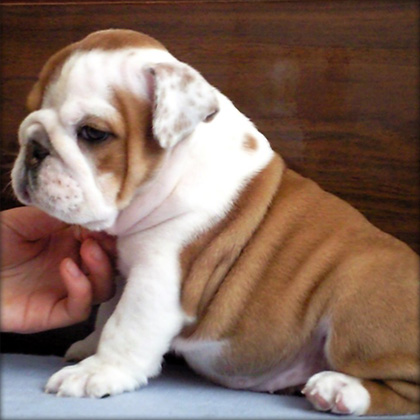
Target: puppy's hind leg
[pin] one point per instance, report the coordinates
(343, 394)
(393, 397)
(371, 376)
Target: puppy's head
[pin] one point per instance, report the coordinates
(105, 111)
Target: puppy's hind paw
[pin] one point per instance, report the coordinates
(338, 393)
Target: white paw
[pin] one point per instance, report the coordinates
(93, 377)
(338, 393)
(82, 349)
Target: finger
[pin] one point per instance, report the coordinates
(107, 242)
(76, 306)
(100, 270)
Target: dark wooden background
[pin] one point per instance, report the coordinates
(333, 84)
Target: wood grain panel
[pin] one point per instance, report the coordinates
(333, 84)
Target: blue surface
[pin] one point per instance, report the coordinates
(176, 393)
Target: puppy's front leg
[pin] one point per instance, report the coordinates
(135, 338)
(88, 346)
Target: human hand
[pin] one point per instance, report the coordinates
(42, 282)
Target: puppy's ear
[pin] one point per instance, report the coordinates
(182, 98)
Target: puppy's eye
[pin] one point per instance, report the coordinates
(92, 135)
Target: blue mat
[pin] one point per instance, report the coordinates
(178, 393)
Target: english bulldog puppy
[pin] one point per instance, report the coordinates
(255, 275)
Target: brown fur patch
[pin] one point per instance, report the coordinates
(206, 261)
(250, 142)
(109, 157)
(112, 39)
(141, 153)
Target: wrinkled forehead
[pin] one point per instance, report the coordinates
(89, 78)
(94, 55)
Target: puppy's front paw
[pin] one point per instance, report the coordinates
(338, 393)
(93, 377)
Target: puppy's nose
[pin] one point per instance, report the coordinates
(35, 154)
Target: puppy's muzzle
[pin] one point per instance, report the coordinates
(35, 154)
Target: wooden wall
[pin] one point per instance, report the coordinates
(333, 84)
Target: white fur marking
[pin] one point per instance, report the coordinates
(336, 392)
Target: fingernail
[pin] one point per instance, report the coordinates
(95, 251)
(72, 268)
